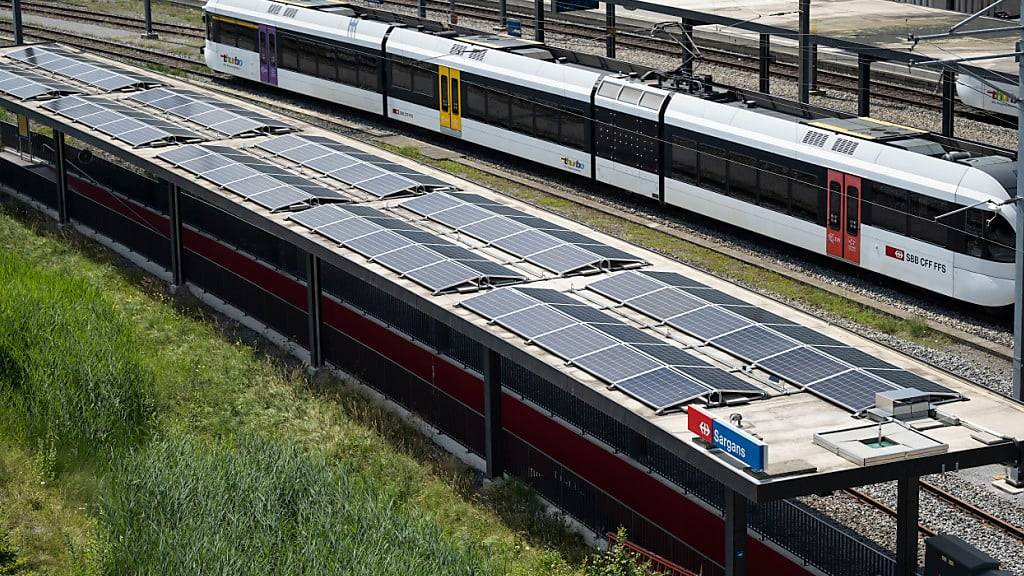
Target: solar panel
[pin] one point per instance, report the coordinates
(853, 390)
(622, 287)
(665, 303)
(402, 247)
(719, 379)
(754, 343)
(27, 85)
(134, 127)
(610, 350)
(708, 323)
(758, 315)
(60, 60)
(713, 296)
(673, 279)
(351, 166)
(521, 234)
(802, 366)
(806, 335)
(209, 112)
(854, 357)
(662, 388)
(907, 379)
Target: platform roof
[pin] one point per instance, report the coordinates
(785, 417)
(876, 28)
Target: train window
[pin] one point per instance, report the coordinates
(743, 178)
(348, 67)
(773, 182)
(652, 100)
(476, 102)
(289, 53)
(890, 208)
(852, 210)
(975, 223)
(444, 92)
(328, 65)
(1001, 240)
(573, 130)
(424, 81)
(608, 90)
(498, 108)
(307, 59)
(522, 115)
(247, 38)
(684, 160)
(923, 210)
(368, 76)
(546, 120)
(804, 192)
(835, 203)
(401, 76)
(630, 95)
(455, 96)
(714, 169)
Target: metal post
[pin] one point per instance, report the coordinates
(814, 68)
(1013, 476)
(174, 224)
(147, 8)
(863, 85)
(947, 102)
(62, 179)
(19, 37)
(502, 12)
(538, 20)
(313, 310)
(764, 75)
(492, 414)
(735, 534)
(805, 51)
(610, 29)
(421, 8)
(908, 499)
(687, 40)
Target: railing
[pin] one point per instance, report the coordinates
(657, 563)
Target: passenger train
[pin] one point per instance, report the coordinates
(859, 190)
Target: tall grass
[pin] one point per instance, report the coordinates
(258, 506)
(70, 372)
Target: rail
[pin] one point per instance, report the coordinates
(660, 565)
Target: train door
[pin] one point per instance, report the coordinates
(842, 228)
(450, 101)
(268, 54)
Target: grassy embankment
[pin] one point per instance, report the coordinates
(141, 436)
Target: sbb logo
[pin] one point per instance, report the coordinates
(705, 429)
(700, 423)
(897, 253)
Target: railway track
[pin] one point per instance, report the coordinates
(79, 14)
(221, 83)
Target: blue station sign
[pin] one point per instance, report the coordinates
(514, 27)
(728, 438)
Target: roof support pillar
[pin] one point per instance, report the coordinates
(863, 85)
(147, 8)
(19, 37)
(502, 12)
(492, 414)
(421, 8)
(610, 29)
(908, 499)
(948, 84)
(814, 68)
(538, 20)
(735, 534)
(764, 74)
(805, 51)
(61, 161)
(687, 41)
(174, 225)
(314, 310)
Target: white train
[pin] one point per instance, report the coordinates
(992, 96)
(859, 190)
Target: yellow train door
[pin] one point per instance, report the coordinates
(450, 101)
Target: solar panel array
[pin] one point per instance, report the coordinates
(209, 112)
(270, 186)
(59, 60)
(533, 239)
(125, 123)
(800, 355)
(625, 357)
(27, 85)
(405, 248)
(352, 166)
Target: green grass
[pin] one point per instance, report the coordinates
(910, 328)
(245, 459)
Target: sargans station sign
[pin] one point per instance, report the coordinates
(727, 438)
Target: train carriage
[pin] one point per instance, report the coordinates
(859, 190)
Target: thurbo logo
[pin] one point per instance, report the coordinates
(705, 428)
(571, 163)
(999, 96)
(231, 60)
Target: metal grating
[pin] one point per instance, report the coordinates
(28, 85)
(351, 166)
(797, 354)
(125, 123)
(646, 368)
(252, 178)
(533, 239)
(60, 60)
(412, 252)
(223, 117)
